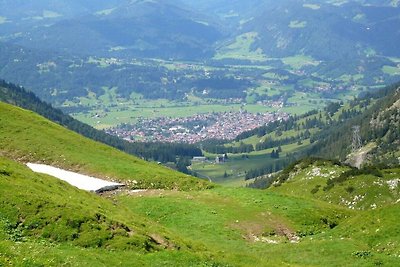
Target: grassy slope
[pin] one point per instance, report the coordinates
(40, 226)
(46, 222)
(26, 136)
(41, 206)
(241, 224)
(222, 227)
(373, 197)
(359, 192)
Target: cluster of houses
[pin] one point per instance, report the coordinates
(197, 128)
(219, 159)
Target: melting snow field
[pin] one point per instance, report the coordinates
(80, 181)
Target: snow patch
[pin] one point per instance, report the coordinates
(80, 181)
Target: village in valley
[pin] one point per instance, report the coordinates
(194, 129)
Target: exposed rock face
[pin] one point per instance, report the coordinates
(358, 158)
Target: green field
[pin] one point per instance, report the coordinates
(108, 109)
(297, 62)
(132, 114)
(104, 113)
(391, 70)
(241, 49)
(297, 24)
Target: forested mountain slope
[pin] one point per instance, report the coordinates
(325, 30)
(327, 133)
(379, 124)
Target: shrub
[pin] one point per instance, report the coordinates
(370, 170)
(350, 189)
(362, 254)
(315, 189)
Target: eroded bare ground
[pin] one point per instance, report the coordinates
(162, 241)
(266, 229)
(136, 192)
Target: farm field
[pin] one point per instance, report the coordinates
(270, 92)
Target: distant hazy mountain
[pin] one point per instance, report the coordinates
(42, 9)
(326, 30)
(138, 28)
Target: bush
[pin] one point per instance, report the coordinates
(315, 189)
(370, 170)
(362, 254)
(350, 189)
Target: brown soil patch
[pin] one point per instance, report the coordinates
(263, 227)
(159, 240)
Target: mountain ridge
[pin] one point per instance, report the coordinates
(142, 28)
